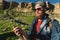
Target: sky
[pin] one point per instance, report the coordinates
(51, 1)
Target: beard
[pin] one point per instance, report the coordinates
(39, 16)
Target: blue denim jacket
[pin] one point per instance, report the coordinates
(55, 30)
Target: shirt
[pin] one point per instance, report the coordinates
(38, 25)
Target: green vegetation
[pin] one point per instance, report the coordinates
(7, 21)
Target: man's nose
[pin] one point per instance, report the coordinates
(39, 11)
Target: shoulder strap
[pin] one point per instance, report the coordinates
(45, 21)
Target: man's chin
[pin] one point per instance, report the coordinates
(38, 17)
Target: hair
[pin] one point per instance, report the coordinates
(43, 4)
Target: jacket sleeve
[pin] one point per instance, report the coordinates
(54, 34)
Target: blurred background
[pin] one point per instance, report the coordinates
(21, 13)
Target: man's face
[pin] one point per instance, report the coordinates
(39, 11)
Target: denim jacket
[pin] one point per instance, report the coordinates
(55, 30)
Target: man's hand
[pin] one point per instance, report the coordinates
(20, 32)
(17, 31)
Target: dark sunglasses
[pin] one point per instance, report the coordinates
(38, 9)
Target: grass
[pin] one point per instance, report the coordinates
(6, 26)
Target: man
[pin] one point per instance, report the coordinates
(42, 25)
(38, 31)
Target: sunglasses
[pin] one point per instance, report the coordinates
(38, 9)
